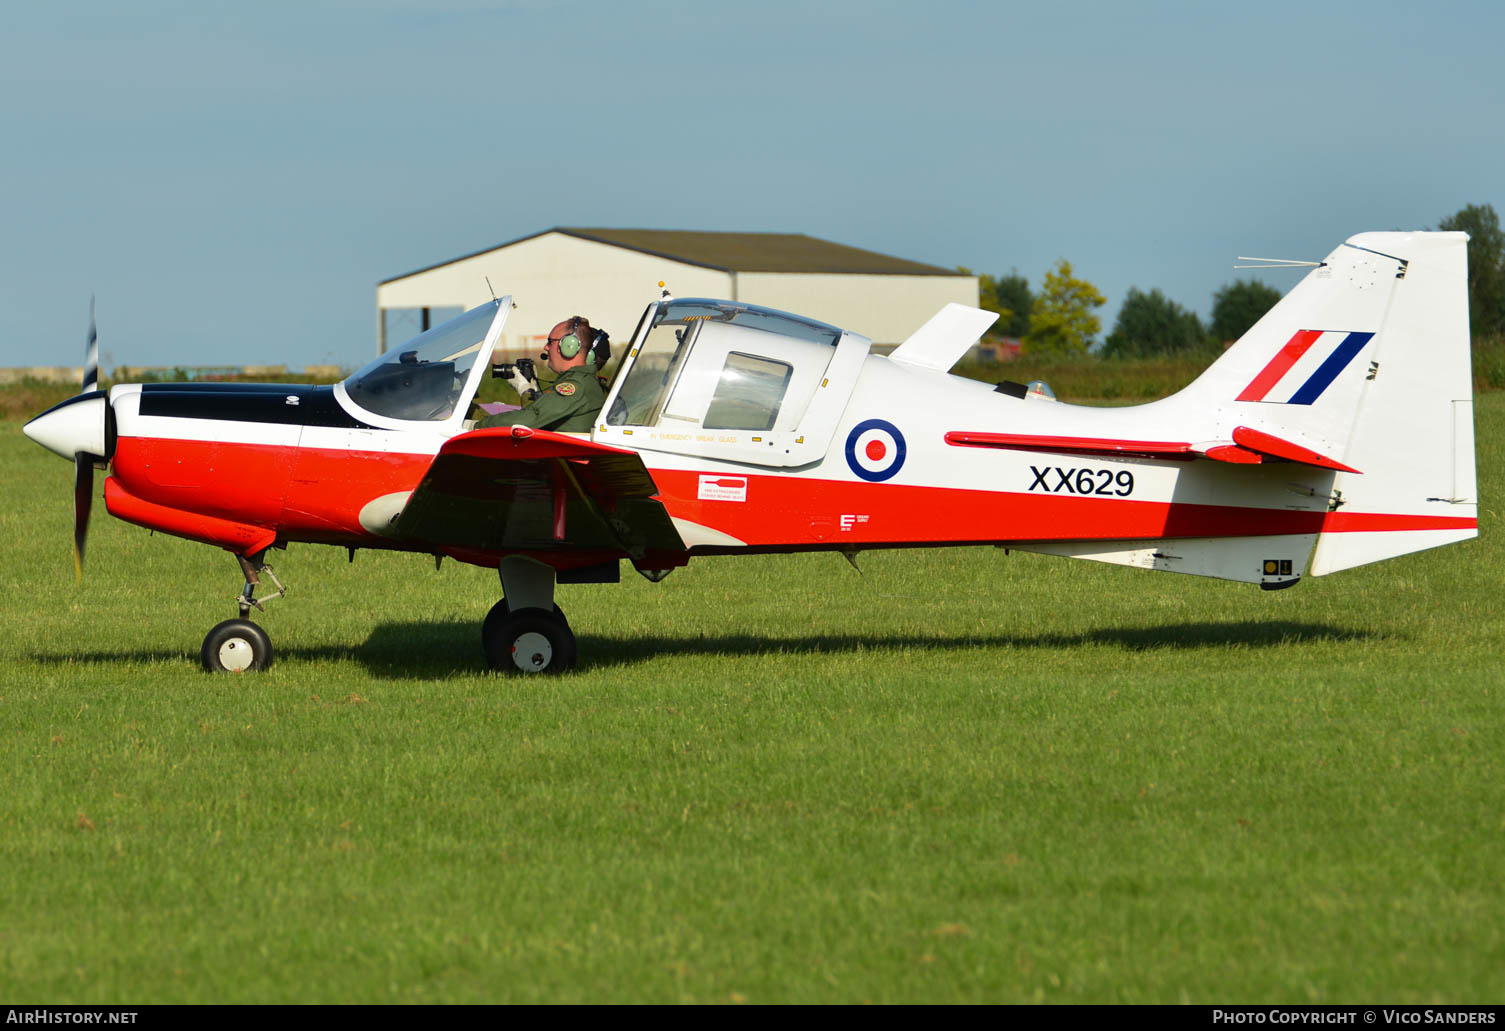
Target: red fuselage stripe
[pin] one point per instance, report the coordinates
(316, 495)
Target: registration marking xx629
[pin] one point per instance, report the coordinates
(1082, 481)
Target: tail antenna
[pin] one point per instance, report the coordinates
(1279, 263)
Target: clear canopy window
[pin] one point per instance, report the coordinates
(748, 393)
(747, 390)
(422, 380)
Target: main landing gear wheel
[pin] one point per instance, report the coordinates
(499, 612)
(528, 641)
(236, 646)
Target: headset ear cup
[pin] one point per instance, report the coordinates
(569, 346)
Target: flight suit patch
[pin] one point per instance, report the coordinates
(564, 388)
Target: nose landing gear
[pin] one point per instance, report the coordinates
(238, 645)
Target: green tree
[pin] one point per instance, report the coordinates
(1486, 266)
(1153, 324)
(1061, 319)
(1239, 305)
(1009, 296)
(1015, 300)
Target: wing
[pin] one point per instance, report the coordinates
(512, 488)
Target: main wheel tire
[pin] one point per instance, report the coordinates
(236, 646)
(499, 612)
(528, 641)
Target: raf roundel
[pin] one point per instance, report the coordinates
(875, 450)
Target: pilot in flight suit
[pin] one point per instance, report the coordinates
(571, 403)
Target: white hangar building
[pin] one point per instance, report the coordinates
(610, 275)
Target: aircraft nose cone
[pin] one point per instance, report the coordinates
(77, 426)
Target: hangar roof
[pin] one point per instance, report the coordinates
(736, 252)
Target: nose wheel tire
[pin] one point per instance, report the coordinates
(528, 641)
(236, 646)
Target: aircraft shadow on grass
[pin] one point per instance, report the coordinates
(422, 651)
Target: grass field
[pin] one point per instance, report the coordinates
(962, 776)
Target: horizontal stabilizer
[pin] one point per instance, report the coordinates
(941, 342)
(1269, 444)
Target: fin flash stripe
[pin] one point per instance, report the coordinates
(1278, 379)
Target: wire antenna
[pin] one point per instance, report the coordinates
(491, 288)
(1279, 263)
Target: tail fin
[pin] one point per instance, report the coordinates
(1366, 364)
(1413, 437)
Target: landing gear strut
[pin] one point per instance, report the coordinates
(526, 632)
(238, 645)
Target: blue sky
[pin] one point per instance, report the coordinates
(233, 180)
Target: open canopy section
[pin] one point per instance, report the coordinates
(431, 377)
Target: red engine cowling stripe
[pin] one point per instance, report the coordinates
(241, 538)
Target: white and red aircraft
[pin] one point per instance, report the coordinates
(1338, 431)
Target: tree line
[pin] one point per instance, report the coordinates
(1060, 319)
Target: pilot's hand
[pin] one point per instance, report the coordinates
(525, 385)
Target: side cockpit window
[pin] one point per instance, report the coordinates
(641, 398)
(748, 393)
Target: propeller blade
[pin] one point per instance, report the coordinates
(83, 466)
(83, 500)
(91, 355)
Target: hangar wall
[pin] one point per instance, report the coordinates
(550, 278)
(886, 308)
(555, 275)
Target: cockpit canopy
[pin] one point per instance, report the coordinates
(720, 365)
(425, 379)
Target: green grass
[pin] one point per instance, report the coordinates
(962, 776)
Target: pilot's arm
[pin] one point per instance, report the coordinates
(523, 384)
(570, 404)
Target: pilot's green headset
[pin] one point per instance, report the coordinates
(570, 343)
